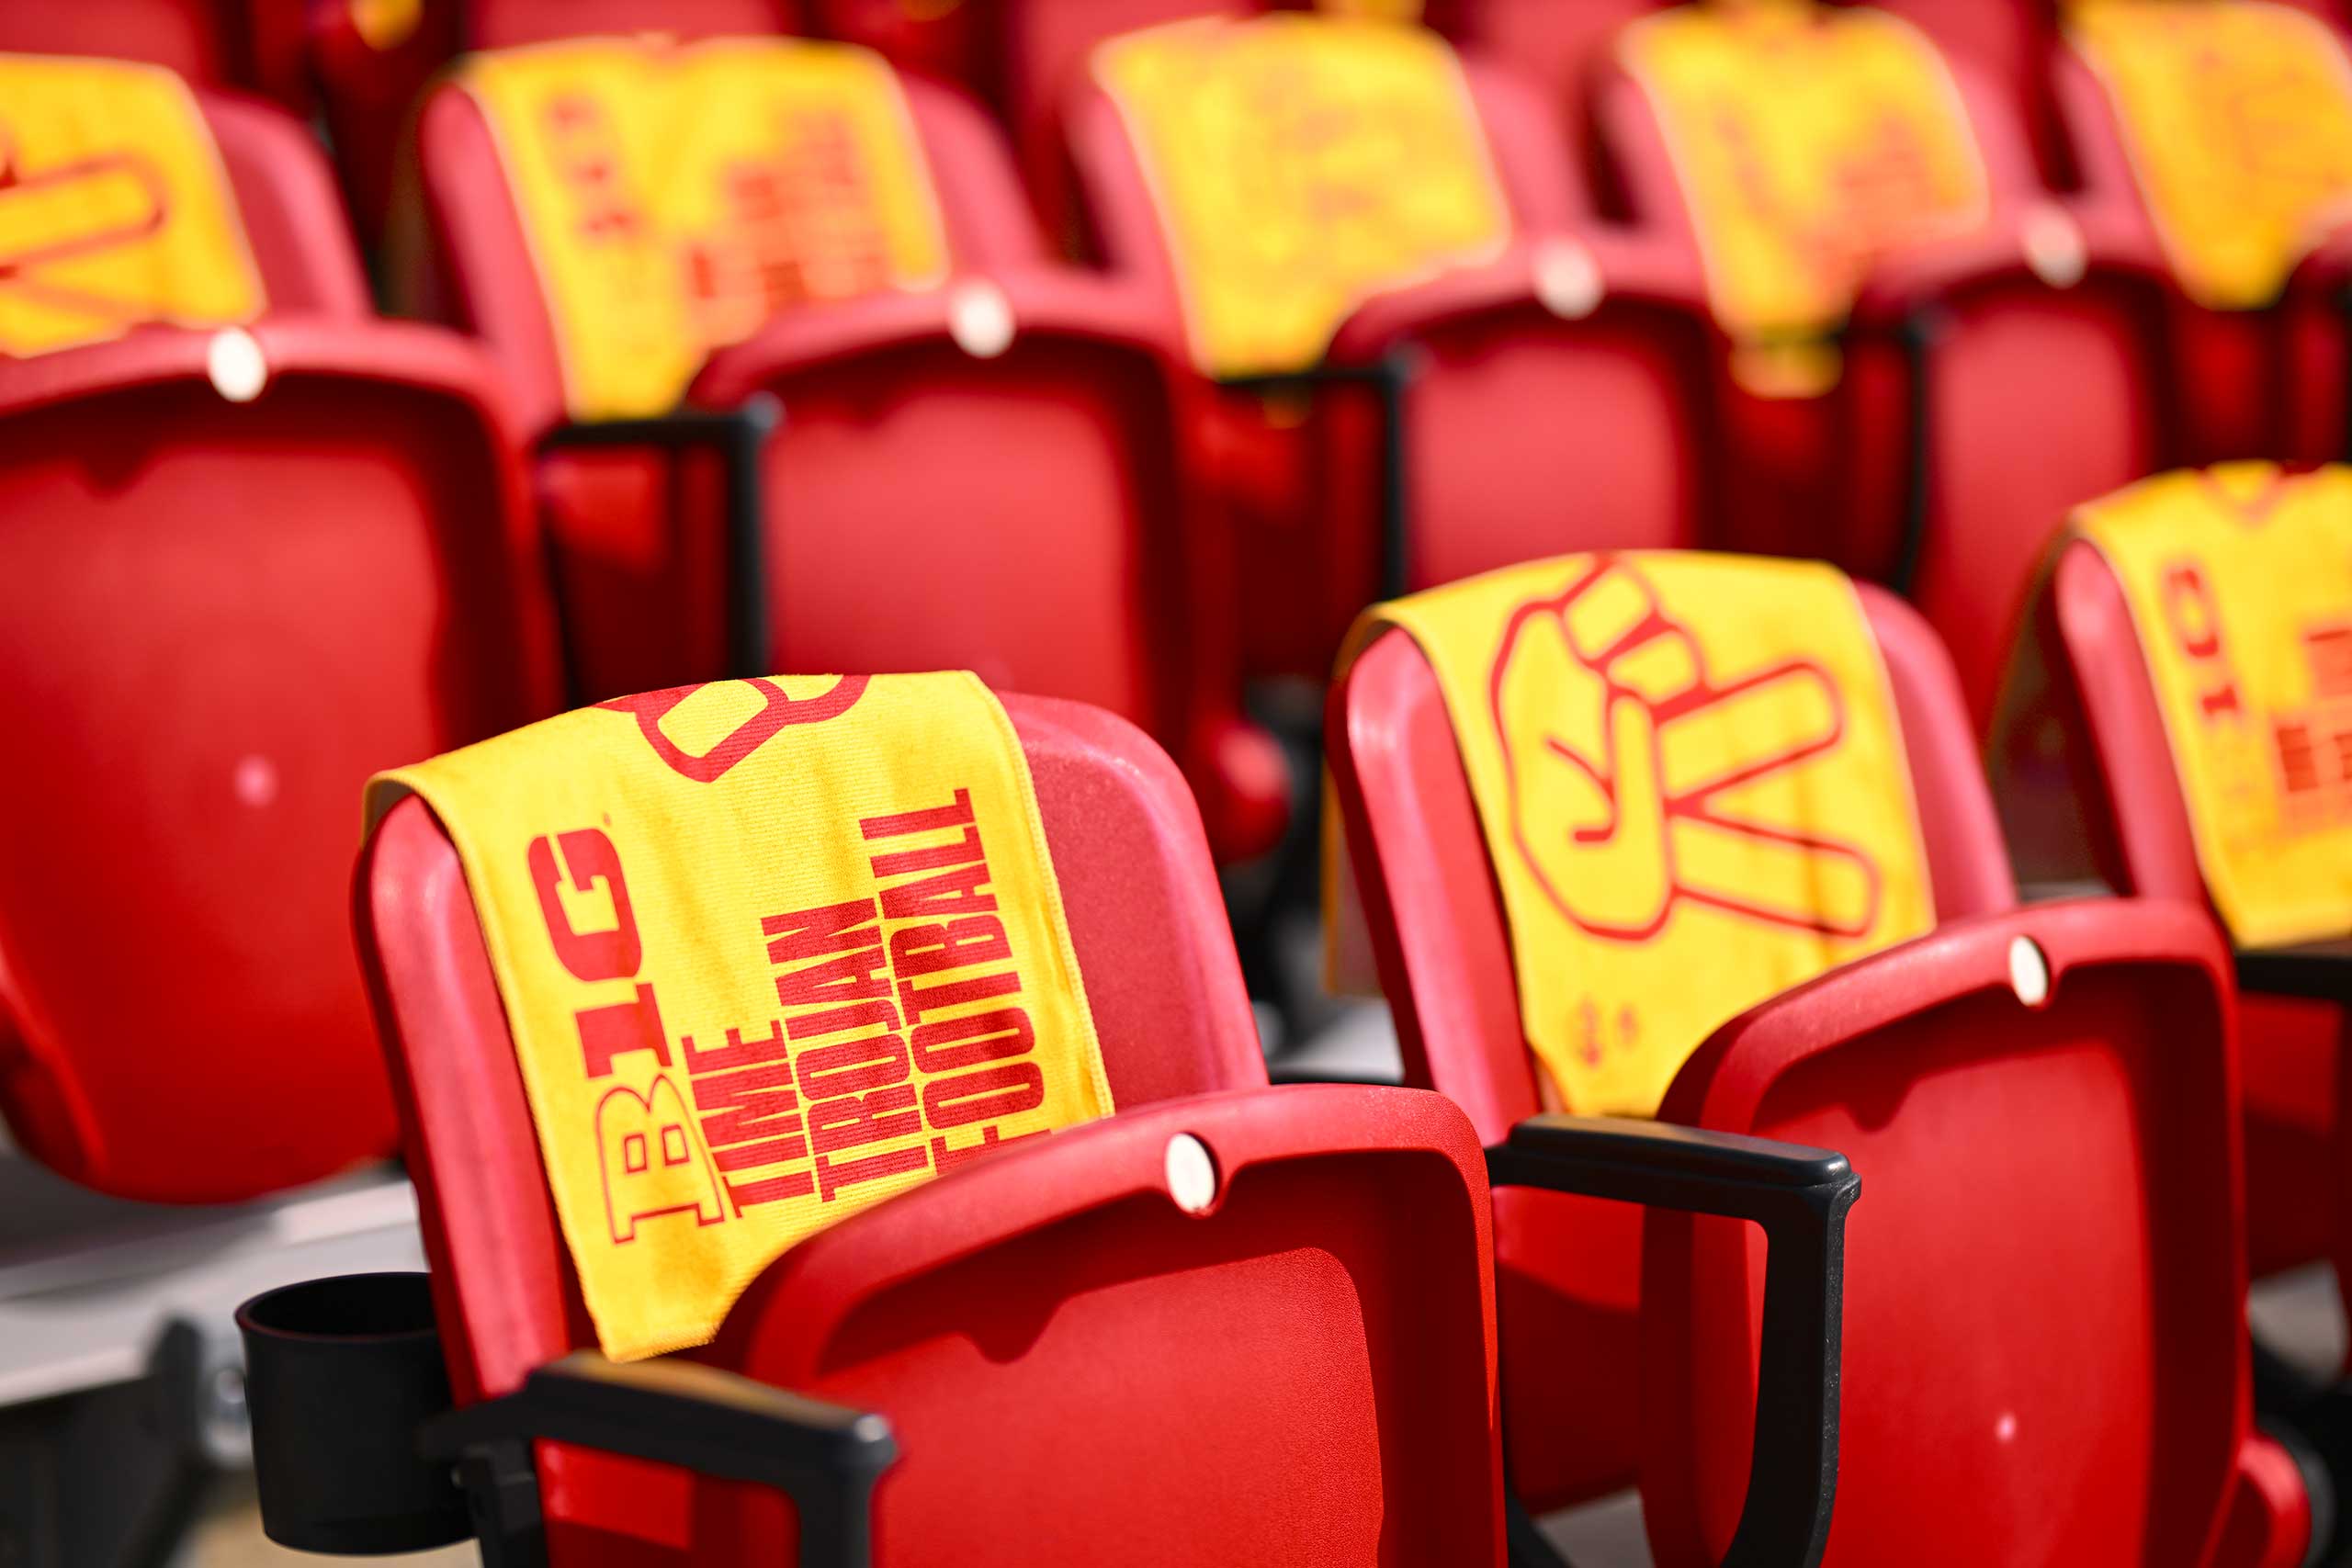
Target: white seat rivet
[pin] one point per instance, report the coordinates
(979, 318)
(1567, 280)
(233, 361)
(2053, 247)
(2028, 972)
(1191, 1174)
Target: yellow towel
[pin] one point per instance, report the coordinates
(2240, 582)
(677, 198)
(1808, 142)
(771, 951)
(114, 208)
(1694, 792)
(2237, 117)
(1300, 164)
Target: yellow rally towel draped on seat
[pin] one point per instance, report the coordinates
(2240, 583)
(1300, 164)
(677, 197)
(1807, 141)
(771, 951)
(115, 210)
(2237, 117)
(1693, 787)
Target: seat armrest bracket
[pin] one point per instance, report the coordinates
(825, 1457)
(1801, 1197)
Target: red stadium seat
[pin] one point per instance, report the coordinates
(1990, 379)
(2093, 785)
(1300, 1369)
(373, 60)
(1549, 397)
(242, 570)
(2259, 371)
(2089, 789)
(2012, 1074)
(997, 457)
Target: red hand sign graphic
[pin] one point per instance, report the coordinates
(1624, 802)
(69, 211)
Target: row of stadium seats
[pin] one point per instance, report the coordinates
(1878, 338)
(327, 543)
(1117, 1332)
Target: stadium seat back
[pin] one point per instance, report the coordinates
(2233, 203)
(2112, 810)
(1550, 363)
(1023, 459)
(1984, 328)
(2064, 1072)
(1041, 443)
(283, 198)
(2038, 1141)
(483, 278)
(1998, 479)
(1434, 906)
(979, 1359)
(1004, 435)
(1569, 1272)
(243, 571)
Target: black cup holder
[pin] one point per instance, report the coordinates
(339, 1374)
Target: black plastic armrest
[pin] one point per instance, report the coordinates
(1917, 333)
(2344, 311)
(1799, 1196)
(714, 1423)
(1389, 377)
(2320, 970)
(739, 435)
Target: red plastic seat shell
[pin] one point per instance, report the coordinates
(2037, 396)
(2138, 830)
(1031, 516)
(220, 619)
(2025, 1159)
(1569, 1269)
(2025, 1162)
(884, 1308)
(1508, 410)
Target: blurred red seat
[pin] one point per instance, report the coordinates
(1972, 356)
(2226, 129)
(979, 469)
(246, 564)
(373, 59)
(1295, 1363)
(2091, 786)
(2046, 1315)
(1482, 398)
